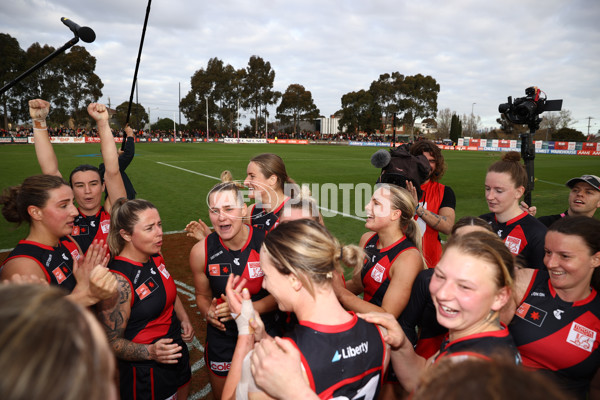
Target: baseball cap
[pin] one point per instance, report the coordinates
(592, 180)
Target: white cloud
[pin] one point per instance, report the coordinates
(480, 52)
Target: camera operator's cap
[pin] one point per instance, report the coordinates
(592, 180)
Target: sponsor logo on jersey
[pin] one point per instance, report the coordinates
(146, 288)
(219, 269)
(61, 273)
(80, 230)
(254, 270)
(105, 226)
(152, 271)
(65, 257)
(49, 260)
(499, 232)
(513, 244)
(582, 337)
(93, 223)
(220, 366)
(350, 352)
(377, 273)
(538, 294)
(163, 271)
(75, 254)
(217, 254)
(268, 222)
(236, 261)
(531, 314)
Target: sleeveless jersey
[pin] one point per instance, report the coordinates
(434, 194)
(375, 273)
(482, 345)
(341, 360)
(559, 337)
(55, 262)
(267, 220)
(523, 235)
(88, 228)
(420, 313)
(221, 261)
(153, 295)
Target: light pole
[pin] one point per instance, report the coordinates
(472, 120)
(206, 97)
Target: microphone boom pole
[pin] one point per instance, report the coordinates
(137, 64)
(40, 63)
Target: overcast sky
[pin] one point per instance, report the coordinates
(478, 51)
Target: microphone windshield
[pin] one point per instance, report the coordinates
(86, 34)
(381, 158)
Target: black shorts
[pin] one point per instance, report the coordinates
(218, 355)
(153, 380)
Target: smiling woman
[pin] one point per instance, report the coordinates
(559, 309)
(233, 248)
(505, 183)
(93, 219)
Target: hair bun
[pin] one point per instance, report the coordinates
(511, 156)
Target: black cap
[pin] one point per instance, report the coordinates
(592, 180)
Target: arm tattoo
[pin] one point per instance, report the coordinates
(114, 315)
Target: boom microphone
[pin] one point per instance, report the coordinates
(83, 32)
(381, 158)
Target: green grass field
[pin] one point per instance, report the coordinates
(177, 176)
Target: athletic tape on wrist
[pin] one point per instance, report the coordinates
(242, 320)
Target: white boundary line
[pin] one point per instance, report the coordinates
(218, 179)
(551, 183)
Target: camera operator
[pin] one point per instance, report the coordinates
(435, 211)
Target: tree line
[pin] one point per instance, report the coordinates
(220, 91)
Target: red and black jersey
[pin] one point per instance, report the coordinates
(558, 337)
(153, 295)
(221, 261)
(341, 361)
(375, 273)
(419, 320)
(87, 228)
(267, 220)
(435, 196)
(482, 345)
(523, 235)
(55, 262)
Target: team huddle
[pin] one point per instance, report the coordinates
(513, 294)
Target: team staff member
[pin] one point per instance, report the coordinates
(270, 186)
(232, 249)
(342, 355)
(505, 183)
(584, 200)
(45, 202)
(145, 322)
(557, 324)
(93, 220)
(435, 211)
